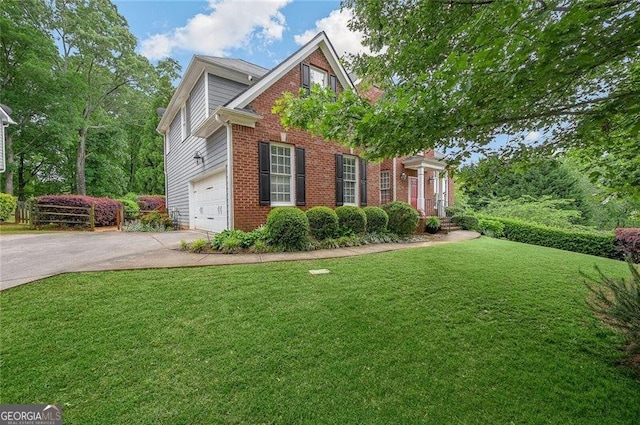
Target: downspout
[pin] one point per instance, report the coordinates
(228, 126)
(395, 186)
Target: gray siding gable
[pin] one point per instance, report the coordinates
(221, 91)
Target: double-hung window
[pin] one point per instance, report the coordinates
(350, 180)
(318, 76)
(385, 187)
(281, 174)
(282, 177)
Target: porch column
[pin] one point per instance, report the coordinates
(421, 205)
(442, 195)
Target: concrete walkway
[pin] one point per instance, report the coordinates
(26, 258)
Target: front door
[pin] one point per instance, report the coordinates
(413, 192)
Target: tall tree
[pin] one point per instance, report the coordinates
(458, 73)
(98, 60)
(29, 85)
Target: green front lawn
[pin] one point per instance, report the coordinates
(480, 332)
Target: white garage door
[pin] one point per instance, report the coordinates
(210, 203)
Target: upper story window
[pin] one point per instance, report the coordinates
(318, 76)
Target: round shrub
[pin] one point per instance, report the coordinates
(403, 219)
(323, 222)
(8, 205)
(377, 219)
(352, 219)
(288, 227)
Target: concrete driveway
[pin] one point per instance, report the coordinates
(25, 258)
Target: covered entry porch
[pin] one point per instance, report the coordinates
(429, 188)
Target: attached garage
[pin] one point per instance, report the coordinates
(209, 203)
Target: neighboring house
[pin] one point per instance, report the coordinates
(229, 161)
(5, 120)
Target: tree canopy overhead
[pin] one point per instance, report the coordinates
(458, 73)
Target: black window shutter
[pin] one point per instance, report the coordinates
(363, 182)
(264, 156)
(333, 83)
(301, 193)
(339, 181)
(305, 73)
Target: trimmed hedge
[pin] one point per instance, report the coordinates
(288, 227)
(628, 243)
(352, 219)
(600, 244)
(377, 219)
(491, 227)
(8, 205)
(466, 221)
(323, 222)
(105, 208)
(151, 202)
(403, 218)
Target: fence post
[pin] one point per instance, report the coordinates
(92, 217)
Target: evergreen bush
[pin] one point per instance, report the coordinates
(352, 219)
(288, 228)
(377, 219)
(323, 222)
(8, 205)
(403, 218)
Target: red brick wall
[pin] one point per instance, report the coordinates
(319, 155)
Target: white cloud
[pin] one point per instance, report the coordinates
(228, 24)
(335, 25)
(532, 136)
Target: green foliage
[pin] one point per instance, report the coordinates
(131, 208)
(232, 240)
(403, 219)
(466, 221)
(494, 178)
(156, 218)
(460, 71)
(617, 302)
(594, 243)
(199, 245)
(352, 219)
(545, 211)
(8, 205)
(288, 228)
(323, 222)
(491, 227)
(432, 224)
(377, 219)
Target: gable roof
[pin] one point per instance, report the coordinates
(239, 65)
(239, 70)
(320, 41)
(5, 113)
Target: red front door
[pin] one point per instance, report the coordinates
(413, 192)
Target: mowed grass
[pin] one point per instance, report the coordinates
(480, 332)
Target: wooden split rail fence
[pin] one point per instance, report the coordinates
(43, 214)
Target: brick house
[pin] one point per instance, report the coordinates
(229, 161)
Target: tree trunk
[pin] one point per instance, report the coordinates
(8, 174)
(21, 181)
(80, 162)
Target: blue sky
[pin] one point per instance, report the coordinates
(260, 31)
